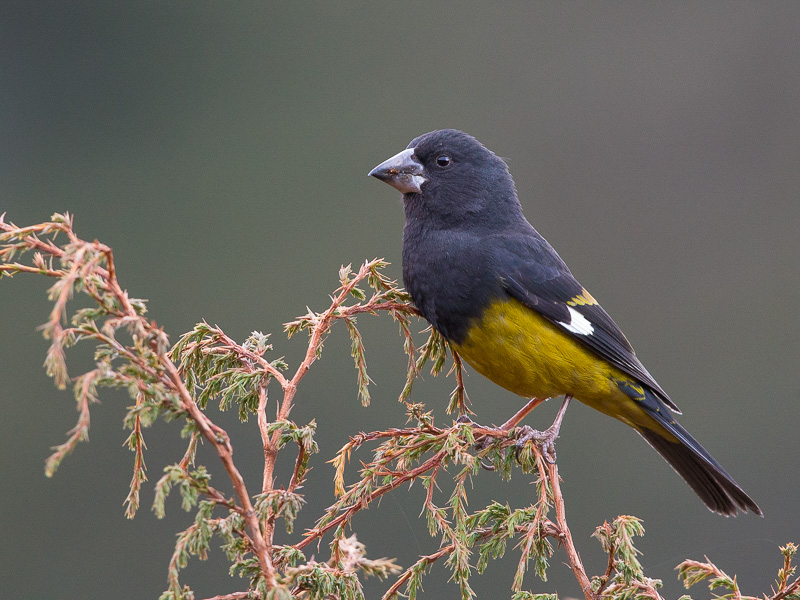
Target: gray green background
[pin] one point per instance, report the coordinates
(222, 148)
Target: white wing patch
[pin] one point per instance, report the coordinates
(577, 323)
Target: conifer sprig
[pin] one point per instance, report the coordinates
(206, 365)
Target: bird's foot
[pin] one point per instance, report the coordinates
(545, 440)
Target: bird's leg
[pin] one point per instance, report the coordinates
(522, 413)
(546, 439)
(513, 421)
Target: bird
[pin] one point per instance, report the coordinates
(506, 302)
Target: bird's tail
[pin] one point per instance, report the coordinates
(691, 461)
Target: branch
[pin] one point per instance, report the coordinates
(317, 532)
(320, 326)
(606, 577)
(84, 265)
(233, 596)
(212, 365)
(574, 558)
(792, 588)
(221, 442)
(423, 562)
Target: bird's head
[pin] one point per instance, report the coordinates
(450, 175)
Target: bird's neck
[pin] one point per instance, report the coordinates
(488, 216)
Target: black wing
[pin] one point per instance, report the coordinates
(533, 273)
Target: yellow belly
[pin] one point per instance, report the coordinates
(523, 352)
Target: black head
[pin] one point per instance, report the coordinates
(450, 177)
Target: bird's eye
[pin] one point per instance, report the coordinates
(443, 161)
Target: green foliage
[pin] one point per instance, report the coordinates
(530, 596)
(624, 577)
(691, 572)
(205, 365)
(786, 572)
(216, 367)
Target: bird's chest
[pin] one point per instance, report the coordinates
(450, 281)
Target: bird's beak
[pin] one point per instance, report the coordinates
(403, 171)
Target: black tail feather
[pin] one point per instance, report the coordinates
(698, 468)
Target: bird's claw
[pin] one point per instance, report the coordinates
(483, 443)
(545, 440)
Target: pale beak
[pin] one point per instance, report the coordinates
(403, 171)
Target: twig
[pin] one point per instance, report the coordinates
(233, 596)
(313, 534)
(789, 590)
(18, 268)
(320, 329)
(460, 393)
(606, 579)
(168, 372)
(297, 478)
(132, 501)
(547, 528)
(79, 432)
(574, 558)
(219, 439)
(431, 558)
(263, 426)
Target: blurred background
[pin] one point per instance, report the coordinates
(222, 149)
